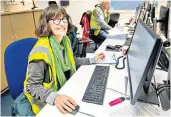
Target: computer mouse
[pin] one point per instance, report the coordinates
(110, 47)
(74, 111)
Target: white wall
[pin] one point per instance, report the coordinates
(77, 7)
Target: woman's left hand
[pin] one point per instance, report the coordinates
(100, 56)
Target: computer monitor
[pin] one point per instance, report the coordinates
(141, 15)
(64, 2)
(169, 77)
(146, 17)
(149, 6)
(163, 20)
(169, 26)
(145, 4)
(142, 58)
(150, 19)
(152, 13)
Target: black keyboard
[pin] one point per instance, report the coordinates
(97, 85)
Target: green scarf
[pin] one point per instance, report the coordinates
(61, 65)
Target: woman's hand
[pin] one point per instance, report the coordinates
(65, 104)
(100, 56)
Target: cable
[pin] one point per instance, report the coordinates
(163, 90)
(162, 86)
(117, 63)
(154, 86)
(161, 69)
(117, 91)
(86, 114)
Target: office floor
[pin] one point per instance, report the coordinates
(7, 101)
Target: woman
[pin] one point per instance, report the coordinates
(51, 62)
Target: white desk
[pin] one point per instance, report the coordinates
(77, 85)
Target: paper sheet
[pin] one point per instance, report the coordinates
(139, 109)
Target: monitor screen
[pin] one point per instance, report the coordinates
(164, 18)
(139, 56)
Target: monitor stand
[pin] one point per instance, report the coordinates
(151, 97)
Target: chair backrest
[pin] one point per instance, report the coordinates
(88, 14)
(15, 61)
(114, 18)
(73, 39)
(90, 32)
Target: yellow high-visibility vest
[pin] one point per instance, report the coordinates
(94, 23)
(43, 51)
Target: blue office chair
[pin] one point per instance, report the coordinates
(15, 61)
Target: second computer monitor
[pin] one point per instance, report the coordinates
(163, 20)
(142, 58)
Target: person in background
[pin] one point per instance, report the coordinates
(51, 62)
(100, 18)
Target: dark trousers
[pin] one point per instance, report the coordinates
(102, 34)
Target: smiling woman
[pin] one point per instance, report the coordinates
(51, 62)
(53, 14)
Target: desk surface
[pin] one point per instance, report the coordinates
(77, 84)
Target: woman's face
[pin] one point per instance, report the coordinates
(58, 26)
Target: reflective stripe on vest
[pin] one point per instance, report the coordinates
(94, 23)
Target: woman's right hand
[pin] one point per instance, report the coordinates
(65, 104)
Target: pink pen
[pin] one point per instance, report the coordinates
(116, 101)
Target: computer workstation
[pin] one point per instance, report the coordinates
(163, 62)
(148, 50)
(90, 91)
(142, 59)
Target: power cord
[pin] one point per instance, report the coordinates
(161, 69)
(160, 87)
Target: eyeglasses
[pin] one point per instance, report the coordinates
(58, 21)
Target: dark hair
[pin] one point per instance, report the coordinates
(51, 11)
